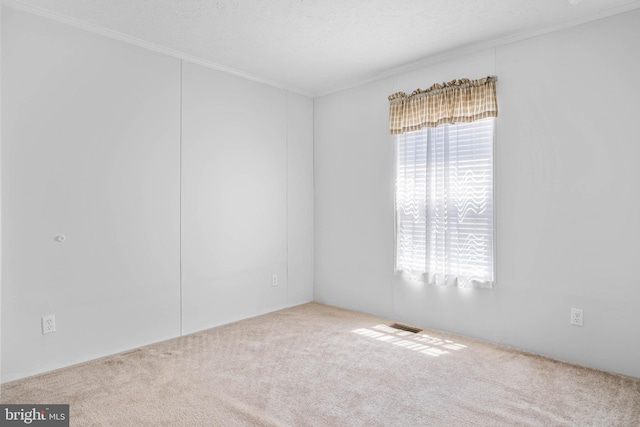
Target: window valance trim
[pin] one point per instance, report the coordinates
(460, 100)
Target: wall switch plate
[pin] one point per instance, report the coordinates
(274, 280)
(48, 324)
(576, 316)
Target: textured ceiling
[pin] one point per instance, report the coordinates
(317, 46)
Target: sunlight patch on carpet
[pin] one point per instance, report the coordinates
(423, 343)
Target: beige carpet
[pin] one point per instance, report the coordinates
(315, 365)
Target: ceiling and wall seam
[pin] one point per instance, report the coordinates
(340, 82)
(492, 44)
(147, 45)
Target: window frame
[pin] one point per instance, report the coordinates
(494, 214)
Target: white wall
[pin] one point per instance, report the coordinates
(235, 212)
(0, 197)
(89, 151)
(567, 204)
(300, 208)
(148, 166)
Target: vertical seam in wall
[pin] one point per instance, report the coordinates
(394, 309)
(180, 200)
(286, 194)
(313, 199)
(493, 59)
(287, 189)
(495, 183)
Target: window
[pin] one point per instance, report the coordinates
(444, 182)
(444, 204)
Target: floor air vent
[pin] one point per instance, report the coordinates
(405, 328)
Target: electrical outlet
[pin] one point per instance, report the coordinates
(274, 280)
(48, 324)
(576, 316)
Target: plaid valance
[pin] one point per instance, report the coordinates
(461, 100)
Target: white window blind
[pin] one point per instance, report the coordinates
(444, 204)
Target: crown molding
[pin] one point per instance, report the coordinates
(477, 47)
(76, 23)
(346, 84)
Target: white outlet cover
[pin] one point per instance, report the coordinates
(577, 317)
(48, 324)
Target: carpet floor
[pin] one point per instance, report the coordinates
(315, 365)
